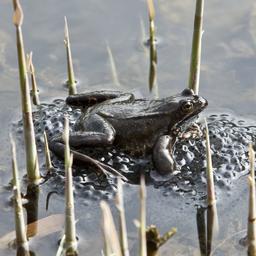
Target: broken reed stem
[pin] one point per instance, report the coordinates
(142, 230)
(195, 60)
(111, 243)
(71, 76)
(165, 237)
(35, 91)
(21, 236)
(155, 240)
(29, 135)
(122, 221)
(251, 230)
(48, 161)
(70, 244)
(210, 181)
(113, 67)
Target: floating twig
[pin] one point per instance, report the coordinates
(29, 134)
(195, 60)
(71, 76)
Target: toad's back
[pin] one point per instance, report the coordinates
(134, 109)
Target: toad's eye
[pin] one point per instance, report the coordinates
(187, 106)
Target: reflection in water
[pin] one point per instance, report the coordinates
(32, 208)
(206, 229)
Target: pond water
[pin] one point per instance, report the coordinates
(228, 81)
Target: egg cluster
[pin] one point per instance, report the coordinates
(229, 138)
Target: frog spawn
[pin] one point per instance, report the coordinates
(229, 137)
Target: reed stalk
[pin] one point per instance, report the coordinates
(71, 76)
(111, 242)
(251, 229)
(21, 236)
(70, 244)
(48, 161)
(152, 45)
(212, 215)
(122, 221)
(29, 134)
(210, 180)
(142, 229)
(113, 67)
(34, 91)
(195, 61)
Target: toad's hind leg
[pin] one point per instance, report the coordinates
(102, 135)
(99, 133)
(91, 98)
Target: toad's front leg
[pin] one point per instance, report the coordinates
(162, 155)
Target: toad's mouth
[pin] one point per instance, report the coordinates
(185, 124)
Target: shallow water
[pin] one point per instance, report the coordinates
(228, 81)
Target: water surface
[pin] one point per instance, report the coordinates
(228, 81)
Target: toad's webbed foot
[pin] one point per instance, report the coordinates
(91, 98)
(81, 159)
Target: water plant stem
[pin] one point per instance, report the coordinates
(70, 243)
(122, 221)
(113, 67)
(111, 243)
(48, 161)
(35, 91)
(142, 229)
(71, 76)
(29, 134)
(21, 236)
(152, 45)
(195, 60)
(210, 180)
(251, 229)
